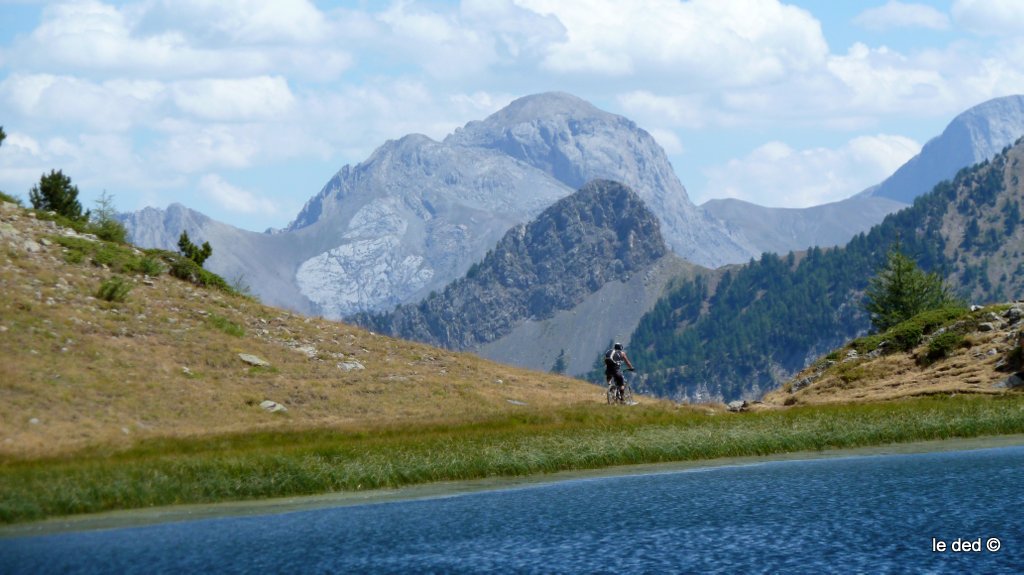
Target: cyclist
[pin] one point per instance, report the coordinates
(613, 359)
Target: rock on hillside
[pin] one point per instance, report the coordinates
(603, 234)
(984, 357)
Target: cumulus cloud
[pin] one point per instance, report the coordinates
(233, 198)
(777, 175)
(234, 99)
(113, 105)
(990, 17)
(724, 43)
(182, 40)
(896, 14)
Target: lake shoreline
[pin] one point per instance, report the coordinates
(442, 489)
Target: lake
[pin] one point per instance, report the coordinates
(947, 512)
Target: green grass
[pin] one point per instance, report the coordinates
(225, 325)
(263, 465)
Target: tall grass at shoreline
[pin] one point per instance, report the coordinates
(264, 465)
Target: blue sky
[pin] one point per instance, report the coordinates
(243, 109)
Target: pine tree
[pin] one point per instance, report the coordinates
(902, 290)
(560, 365)
(191, 251)
(55, 193)
(104, 221)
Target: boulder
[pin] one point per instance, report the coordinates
(253, 360)
(273, 406)
(1012, 382)
(738, 405)
(350, 365)
(1014, 314)
(802, 383)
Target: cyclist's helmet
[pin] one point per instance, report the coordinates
(617, 346)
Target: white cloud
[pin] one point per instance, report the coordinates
(182, 40)
(896, 14)
(234, 99)
(777, 175)
(990, 17)
(192, 148)
(233, 22)
(680, 111)
(884, 80)
(233, 198)
(114, 105)
(722, 43)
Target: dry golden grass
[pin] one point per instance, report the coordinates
(77, 371)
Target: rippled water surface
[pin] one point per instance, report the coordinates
(871, 514)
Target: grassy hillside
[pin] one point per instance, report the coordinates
(78, 370)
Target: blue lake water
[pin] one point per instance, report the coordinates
(864, 514)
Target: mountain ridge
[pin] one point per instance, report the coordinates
(602, 233)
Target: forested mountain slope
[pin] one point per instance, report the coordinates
(766, 320)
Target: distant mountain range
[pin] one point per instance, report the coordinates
(417, 214)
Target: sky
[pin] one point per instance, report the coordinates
(244, 109)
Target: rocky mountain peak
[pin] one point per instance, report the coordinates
(599, 234)
(974, 136)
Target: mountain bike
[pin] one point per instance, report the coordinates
(615, 397)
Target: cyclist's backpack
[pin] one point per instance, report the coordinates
(610, 358)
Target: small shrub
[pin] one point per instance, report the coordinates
(225, 325)
(942, 345)
(906, 335)
(867, 344)
(109, 231)
(188, 270)
(114, 289)
(147, 265)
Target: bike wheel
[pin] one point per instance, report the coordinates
(627, 395)
(611, 394)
